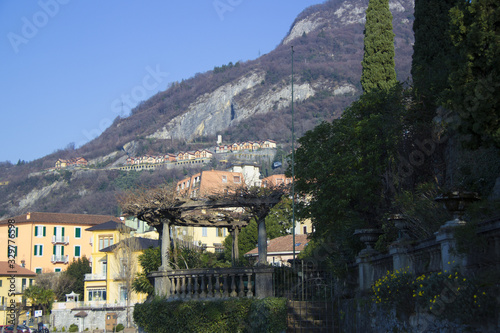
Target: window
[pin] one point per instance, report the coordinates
(123, 294)
(38, 270)
(78, 232)
(1, 283)
(97, 295)
(77, 250)
(57, 270)
(224, 179)
(220, 232)
(40, 231)
(204, 232)
(237, 179)
(38, 250)
(17, 232)
(105, 241)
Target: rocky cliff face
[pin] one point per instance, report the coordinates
(241, 99)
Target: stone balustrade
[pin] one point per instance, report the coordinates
(438, 253)
(214, 283)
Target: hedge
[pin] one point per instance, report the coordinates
(233, 315)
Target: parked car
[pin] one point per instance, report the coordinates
(20, 329)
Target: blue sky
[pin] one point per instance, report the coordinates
(67, 66)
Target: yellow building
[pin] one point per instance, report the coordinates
(114, 265)
(48, 242)
(13, 281)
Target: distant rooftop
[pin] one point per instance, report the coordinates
(135, 243)
(111, 225)
(60, 218)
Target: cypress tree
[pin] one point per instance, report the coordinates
(431, 51)
(378, 59)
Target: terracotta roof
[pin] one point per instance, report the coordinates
(111, 225)
(283, 244)
(141, 244)
(61, 218)
(6, 270)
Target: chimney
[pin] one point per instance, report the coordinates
(28, 216)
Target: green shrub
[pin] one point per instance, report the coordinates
(119, 328)
(234, 315)
(63, 329)
(73, 328)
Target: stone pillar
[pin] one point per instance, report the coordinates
(165, 246)
(161, 280)
(263, 282)
(262, 242)
(449, 255)
(365, 272)
(235, 253)
(400, 258)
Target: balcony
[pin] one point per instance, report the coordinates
(60, 240)
(59, 259)
(95, 277)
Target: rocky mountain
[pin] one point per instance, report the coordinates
(241, 101)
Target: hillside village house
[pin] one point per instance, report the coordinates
(48, 242)
(280, 249)
(23, 278)
(78, 161)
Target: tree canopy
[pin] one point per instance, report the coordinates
(475, 88)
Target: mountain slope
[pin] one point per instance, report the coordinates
(241, 101)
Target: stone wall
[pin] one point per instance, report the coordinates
(95, 319)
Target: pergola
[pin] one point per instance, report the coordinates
(162, 208)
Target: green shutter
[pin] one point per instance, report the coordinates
(77, 232)
(55, 230)
(62, 250)
(17, 232)
(41, 250)
(44, 231)
(36, 231)
(15, 252)
(77, 251)
(54, 250)
(36, 250)
(62, 231)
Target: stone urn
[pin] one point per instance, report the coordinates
(456, 203)
(369, 237)
(402, 224)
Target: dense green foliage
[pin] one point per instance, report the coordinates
(348, 167)
(232, 315)
(475, 88)
(40, 296)
(431, 52)
(77, 270)
(378, 59)
(150, 261)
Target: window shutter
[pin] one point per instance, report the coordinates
(54, 250)
(36, 249)
(77, 233)
(55, 231)
(62, 231)
(77, 251)
(44, 231)
(17, 232)
(36, 231)
(62, 250)
(41, 250)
